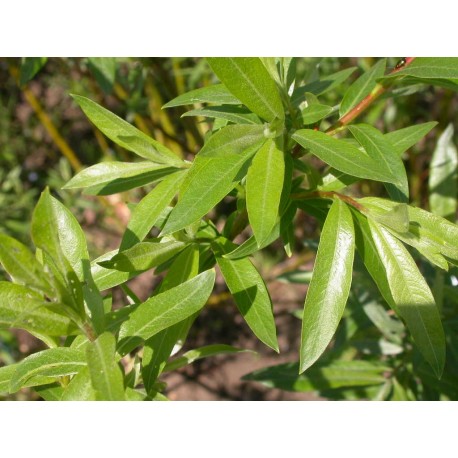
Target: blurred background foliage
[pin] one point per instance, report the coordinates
(45, 138)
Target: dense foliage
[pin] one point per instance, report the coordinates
(379, 319)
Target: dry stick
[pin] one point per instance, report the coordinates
(378, 90)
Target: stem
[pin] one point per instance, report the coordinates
(378, 90)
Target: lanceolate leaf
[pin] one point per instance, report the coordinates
(110, 177)
(208, 181)
(362, 87)
(106, 375)
(381, 151)
(217, 94)
(20, 307)
(430, 67)
(144, 256)
(315, 112)
(330, 285)
(52, 363)
(403, 139)
(236, 139)
(249, 81)
(121, 132)
(250, 295)
(264, 185)
(158, 348)
(22, 265)
(167, 309)
(443, 176)
(148, 210)
(199, 353)
(324, 376)
(230, 113)
(344, 156)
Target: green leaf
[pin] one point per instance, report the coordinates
(401, 140)
(264, 185)
(20, 307)
(144, 256)
(108, 278)
(430, 234)
(46, 236)
(7, 372)
(237, 115)
(80, 387)
(46, 365)
(126, 135)
(30, 66)
(362, 87)
(250, 295)
(233, 140)
(106, 376)
(397, 218)
(249, 81)
(330, 285)
(381, 151)
(315, 112)
(22, 266)
(149, 209)
(50, 392)
(443, 176)
(320, 87)
(158, 348)
(344, 156)
(104, 71)
(322, 376)
(166, 309)
(208, 181)
(111, 177)
(430, 67)
(404, 288)
(199, 353)
(217, 94)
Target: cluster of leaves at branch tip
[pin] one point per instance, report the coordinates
(262, 151)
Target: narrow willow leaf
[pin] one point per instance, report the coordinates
(104, 71)
(315, 112)
(111, 177)
(217, 94)
(20, 307)
(166, 309)
(208, 181)
(443, 176)
(381, 151)
(249, 81)
(51, 392)
(430, 67)
(230, 113)
(22, 266)
(199, 353)
(235, 139)
(149, 209)
(322, 376)
(330, 285)
(397, 218)
(344, 156)
(7, 372)
(46, 365)
(429, 234)
(250, 295)
(80, 387)
(30, 66)
(114, 128)
(264, 185)
(73, 244)
(144, 256)
(108, 278)
(106, 376)
(403, 139)
(362, 87)
(158, 348)
(325, 84)
(46, 236)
